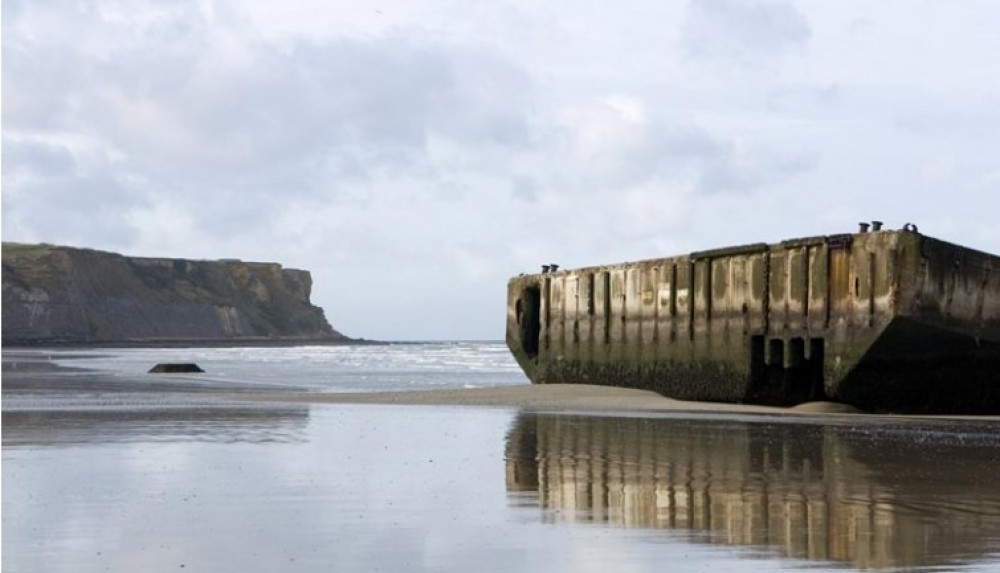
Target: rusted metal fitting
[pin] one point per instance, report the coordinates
(545, 269)
(876, 225)
(863, 227)
(554, 267)
(910, 228)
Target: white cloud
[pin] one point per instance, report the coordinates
(743, 30)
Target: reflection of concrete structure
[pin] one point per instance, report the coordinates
(884, 320)
(811, 492)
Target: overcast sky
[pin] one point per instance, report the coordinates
(414, 154)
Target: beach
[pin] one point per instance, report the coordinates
(564, 397)
(454, 463)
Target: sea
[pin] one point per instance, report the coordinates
(106, 467)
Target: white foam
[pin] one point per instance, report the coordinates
(322, 368)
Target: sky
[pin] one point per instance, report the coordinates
(415, 154)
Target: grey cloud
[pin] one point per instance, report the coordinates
(670, 153)
(728, 170)
(36, 159)
(37, 82)
(235, 140)
(525, 188)
(51, 190)
(376, 100)
(805, 99)
(742, 31)
(722, 165)
(89, 210)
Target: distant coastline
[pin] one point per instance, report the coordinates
(67, 296)
(194, 343)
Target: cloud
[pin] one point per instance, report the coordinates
(186, 132)
(207, 117)
(50, 182)
(617, 142)
(742, 31)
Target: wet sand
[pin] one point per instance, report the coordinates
(559, 397)
(24, 373)
(268, 474)
(582, 398)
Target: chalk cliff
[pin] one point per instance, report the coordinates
(58, 295)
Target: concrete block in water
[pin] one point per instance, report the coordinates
(175, 368)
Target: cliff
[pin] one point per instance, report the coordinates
(64, 295)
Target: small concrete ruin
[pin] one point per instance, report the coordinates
(175, 368)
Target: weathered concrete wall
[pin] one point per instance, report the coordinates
(761, 323)
(67, 295)
(941, 351)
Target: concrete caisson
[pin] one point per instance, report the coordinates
(885, 320)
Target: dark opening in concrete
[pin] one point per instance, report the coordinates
(529, 308)
(758, 368)
(817, 354)
(786, 372)
(796, 353)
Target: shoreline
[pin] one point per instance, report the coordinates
(581, 398)
(25, 369)
(22, 345)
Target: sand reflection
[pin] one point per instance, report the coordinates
(159, 423)
(875, 495)
(45, 404)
